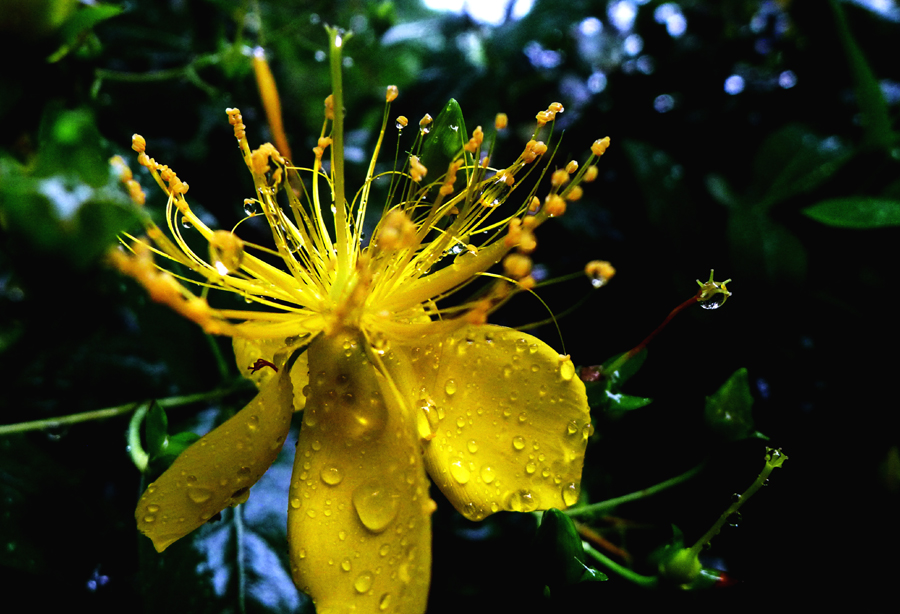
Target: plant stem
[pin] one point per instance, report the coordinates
(774, 458)
(631, 576)
(118, 410)
(594, 510)
(640, 346)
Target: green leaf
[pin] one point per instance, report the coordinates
(625, 402)
(156, 425)
(876, 119)
(79, 23)
(856, 212)
(791, 161)
(447, 137)
(560, 553)
(606, 394)
(238, 563)
(729, 410)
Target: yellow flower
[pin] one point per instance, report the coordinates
(392, 385)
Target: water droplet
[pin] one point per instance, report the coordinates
(342, 535)
(427, 420)
(186, 223)
(459, 473)
(198, 494)
(734, 519)
(376, 505)
(735, 498)
(251, 206)
(152, 508)
(570, 494)
(424, 129)
(302, 553)
(487, 474)
(226, 251)
(295, 502)
(345, 565)
(450, 387)
(472, 446)
(385, 602)
(363, 582)
(522, 501)
(316, 445)
(713, 302)
(460, 422)
(567, 369)
(530, 467)
(518, 443)
(385, 548)
(253, 423)
(149, 518)
(572, 427)
(522, 417)
(331, 476)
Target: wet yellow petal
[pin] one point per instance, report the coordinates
(358, 513)
(217, 470)
(506, 423)
(248, 351)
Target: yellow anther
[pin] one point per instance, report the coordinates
(476, 140)
(599, 271)
(556, 107)
(600, 146)
(544, 117)
(396, 231)
(226, 251)
(555, 205)
(138, 143)
(590, 174)
(559, 177)
(425, 121)
(514, 233)
(539, 148)
(574, 193)
(235, 119)
(517, 265)
(485, 162)
(509, 179)
(402, 122)
(259, 159)
(329, 107)
(571, 167)
(527, 242)
(417, 170)
(527, 282)
(501, 121)
(392, 93)
(324, 142)
(533, 206)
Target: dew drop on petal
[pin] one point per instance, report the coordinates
(295, 502)
(149, 518)
(198, 494)
(385, 602)
(459, 473)
(522, 501)
(385, 548)
(376, 505)
(530, 467)
(253, 423)
(488, 474)
(152, 508)
(567, 369)
(345, 565)
(331, 476)
(363, 582)
(518, 442)
(472, 446)
(570, 494)
(450, 387)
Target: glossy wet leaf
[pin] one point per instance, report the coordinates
(856, 212)
(560, 554)
(445, 140)
(729, 410)
(605, 393)
(237, 563)
(157, 426)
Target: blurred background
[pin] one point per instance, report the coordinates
(754, 137)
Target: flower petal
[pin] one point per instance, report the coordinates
(506, 424)
(358, 516)
(218, 470)
(248, 351)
